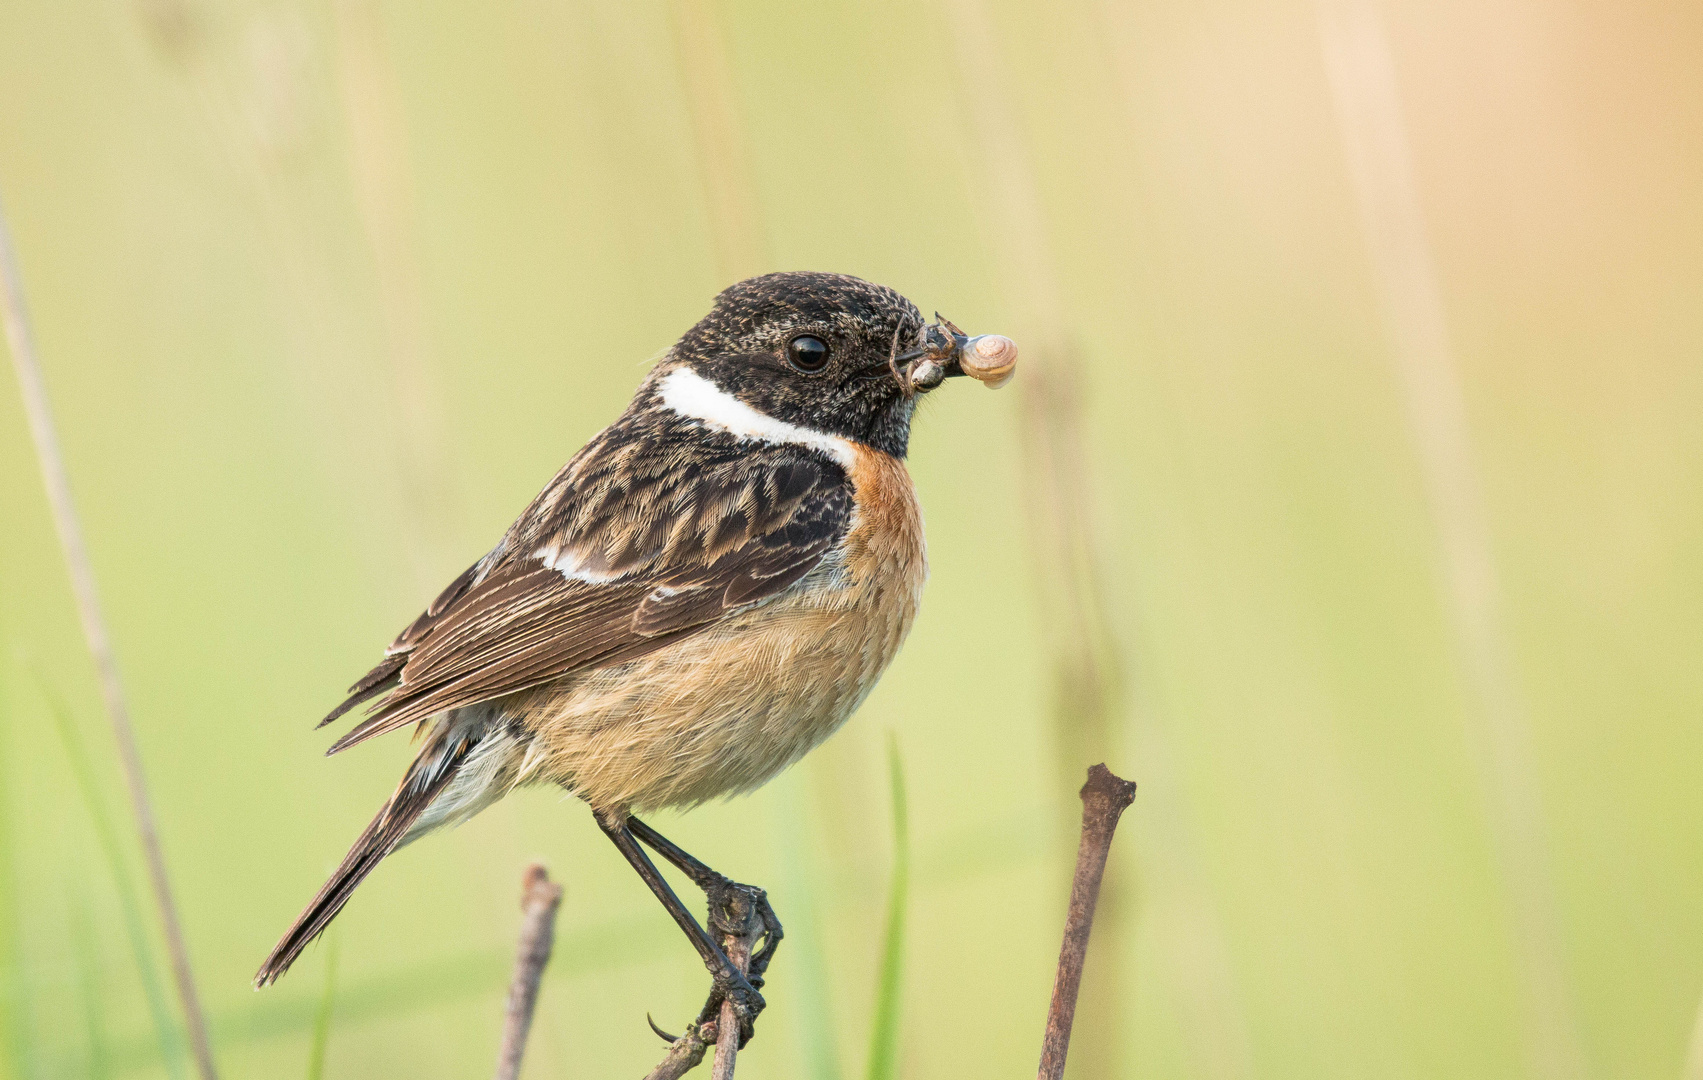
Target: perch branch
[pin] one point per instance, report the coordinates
(58, 484)
(738, 937)
(1104, 799)
(539, 899)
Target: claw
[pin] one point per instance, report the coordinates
(665, 1036)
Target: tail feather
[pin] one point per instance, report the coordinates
(375, 682)
(427, 778)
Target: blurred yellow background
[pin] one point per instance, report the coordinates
(1387, 321)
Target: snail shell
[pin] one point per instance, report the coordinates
(990, 359)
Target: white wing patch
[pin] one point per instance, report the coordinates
(691, 395)
(574, 566)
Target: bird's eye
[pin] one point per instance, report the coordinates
(807, 353)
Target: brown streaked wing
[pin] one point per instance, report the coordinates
(737, 542)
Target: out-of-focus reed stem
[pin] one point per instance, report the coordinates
(379, 168)
(135, 921)
(1087, 682)
(88, 971)
(1364, 87)
(256, 108)
(1694, 1049)
(15, 1043)
(58, 484)
(741, 248)
(1202, 976)
(813, 1015)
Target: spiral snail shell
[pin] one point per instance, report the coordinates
(989, 359)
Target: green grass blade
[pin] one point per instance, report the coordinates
(322, 1017)
(322, 1014)
(14, 1027)
(172, 1050)
(884, 1036)
(813, 1015)
(89, 985)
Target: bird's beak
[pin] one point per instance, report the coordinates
(947, 351)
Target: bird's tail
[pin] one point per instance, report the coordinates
(432, 771)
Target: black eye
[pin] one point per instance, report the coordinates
(807, 353)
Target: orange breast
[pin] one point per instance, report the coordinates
(885, 549)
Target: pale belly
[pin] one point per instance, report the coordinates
(717, 713)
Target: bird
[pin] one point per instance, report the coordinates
(704, 593)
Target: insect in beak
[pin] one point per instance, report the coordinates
(947, 351)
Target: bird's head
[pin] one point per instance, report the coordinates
(825, 353)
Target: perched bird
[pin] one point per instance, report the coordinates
(705, 592)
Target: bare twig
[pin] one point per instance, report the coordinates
(539, 899)
(58, 484)
(684, 1053)
(1104, 799)
(737, 941)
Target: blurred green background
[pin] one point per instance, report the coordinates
(1386, 324)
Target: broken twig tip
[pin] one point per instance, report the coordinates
(539, 899)
(1104, 783)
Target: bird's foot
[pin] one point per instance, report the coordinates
(739, 917)
(733, 989)
(732, 907)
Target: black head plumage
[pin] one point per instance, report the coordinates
(812, 349)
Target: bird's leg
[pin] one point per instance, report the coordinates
(718, 889)
(729, 984)
(724, 896)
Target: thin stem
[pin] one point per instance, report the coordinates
(539, 899)
(737, 944)
(40, 416)
(1693, 1069)
(1104, 799)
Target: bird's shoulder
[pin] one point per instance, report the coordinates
(657, 490)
